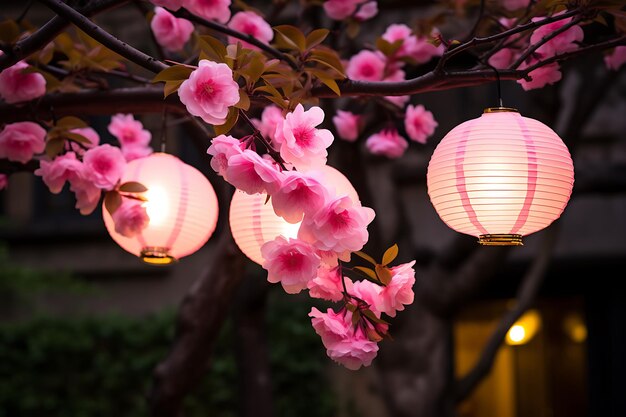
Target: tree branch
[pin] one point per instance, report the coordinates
(46, 34)
(89, 102)
(104, 37)
(200, 319)
(235, 34)
(525, 297)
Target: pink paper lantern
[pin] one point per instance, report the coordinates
(500, 177)
(182, 207)
(253, 222)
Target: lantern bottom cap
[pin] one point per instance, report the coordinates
(501, 240)
(156, 255)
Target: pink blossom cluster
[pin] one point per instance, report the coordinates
(564, 42)
(18, 85)
(133, 138)
(361, 10)
(331, 227)
(218, 10)
(88, 167)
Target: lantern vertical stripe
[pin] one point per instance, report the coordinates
(135, 174)
(460, 181)
(257, 227)
(181, 209)
(531, 184)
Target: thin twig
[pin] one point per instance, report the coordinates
(270, 149)
(235, 34)
(545, 40)
(104, 37)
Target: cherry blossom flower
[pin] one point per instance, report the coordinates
(300, 142)
(87, 195)
(251, 24)
(20, 141)
(298, 194)
(327, 284)
(399, 292)
(347, 125)
(503, 58)
(366, 66)
(291, 262)
(170, 32)
(104, 166)
(250, 173)
(513, 5)
(271, 117)
(563, 42)
(400, 32)
(223, 147)
(209, 92)
(368, 292)
(209, 9)
(387, 142)
(345, 345)
(341, 9)
(367, 11)
(616, 59)
(89, 134)
(130, 218)
(169, 4)
(4, 181)
(63, 168)
(542, 76)
(17, 86)
(339, 226)
(423, 50)
(419, 123)
(129, 131)
(132, 152)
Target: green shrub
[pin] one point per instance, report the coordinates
(102, 366)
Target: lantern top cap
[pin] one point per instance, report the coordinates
(500, 110)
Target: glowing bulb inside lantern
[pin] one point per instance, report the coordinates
(157, 205)
(517, 333)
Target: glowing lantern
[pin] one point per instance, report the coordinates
(253, 222)
(182, 207)
(500, 177)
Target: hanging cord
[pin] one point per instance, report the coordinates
(499, 84)
(163, 129)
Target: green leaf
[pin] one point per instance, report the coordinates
(330, 58)
(292, 35)
(112, 201)
(171, 87)
(9, 31)
(373, 335)
(231, 121)
(316, 37)
(133, 187)
(383, 273)
(387, 47)
(70, 122)
(365, 256)
(327, 80)
(213, 47)
(370, 315)
(54, 146)
(244, 100)
(175, 72)
(390, 254)
(356, 317)
(75, 137)
(368, 271)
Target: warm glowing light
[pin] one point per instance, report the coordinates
(182, 207)
(524, 329)
(500, 177)
(575, 327)
(517, 333)
(253, 222)
(157, 205)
